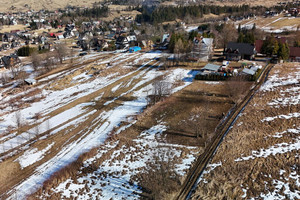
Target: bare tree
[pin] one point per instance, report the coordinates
(4, 78)
(61, 51)
(18, 120)
(160, 177)
(161, 88)
(178, 48)
(236, 87)
(14, 71)
(228, 34)
(49, 61)
(36, 60)
(195, 121)
(164, 62)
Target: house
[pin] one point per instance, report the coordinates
(11, 60)
(202, 49)
(60, 37)
(294, 54)
(122, 42)
(237, 51)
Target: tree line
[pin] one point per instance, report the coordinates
(170, 13)
(95, 12)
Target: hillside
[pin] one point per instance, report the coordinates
(23, 5)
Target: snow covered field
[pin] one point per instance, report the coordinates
(259, 158)
(277, 24)
(83, 115)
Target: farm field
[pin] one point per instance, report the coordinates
(276, 24)
(101, 116)
(259, 158)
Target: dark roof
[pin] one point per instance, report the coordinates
(294, 51)
(243, 48)
(120, 39)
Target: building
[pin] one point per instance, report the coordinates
(294, 54)
(202, 49)
(237, 51)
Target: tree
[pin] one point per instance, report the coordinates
(241, 38)
(283, 51)
(239, 28)
(192, 35)
(236, 87)
(161, 88)
(196, 120)
(160, 177)
(61, 51)
(36, 60)
(178, 48)
(270, 46)
(228, 34)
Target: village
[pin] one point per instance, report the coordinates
(111, 100)
(44, 30)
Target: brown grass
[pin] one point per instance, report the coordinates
(170, 110)
(257, 174)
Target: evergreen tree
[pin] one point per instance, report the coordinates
(239, 28)
(283, 51)
(241, 38)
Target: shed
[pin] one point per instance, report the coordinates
(30, 81)
(134, 49)
(211, 67)
(248, 71)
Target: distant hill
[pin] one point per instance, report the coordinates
(23, 5)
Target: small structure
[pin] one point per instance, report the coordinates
(134, 49)
(237, 51)
(248, 71)
(30, 81)
(294, 54)
(211, 67)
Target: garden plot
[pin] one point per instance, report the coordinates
(260, 155)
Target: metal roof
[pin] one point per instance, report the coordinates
(248, 71)
(211, 67)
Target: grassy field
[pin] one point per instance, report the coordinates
(12, 27)
(259, 157)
